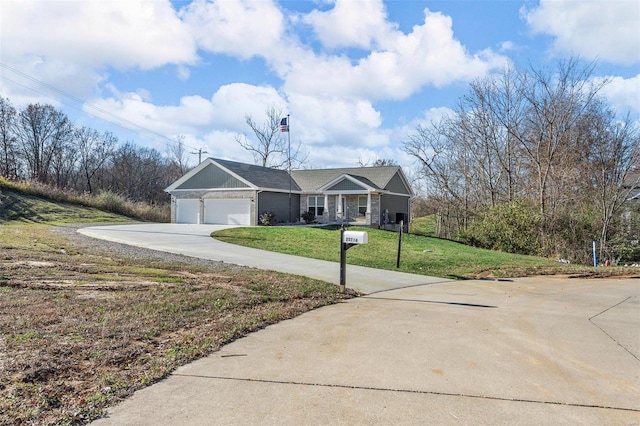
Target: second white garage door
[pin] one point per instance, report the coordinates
(227, 211)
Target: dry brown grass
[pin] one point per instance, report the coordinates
(81, 330)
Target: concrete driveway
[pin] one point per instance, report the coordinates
(195, 240)
(543, 350)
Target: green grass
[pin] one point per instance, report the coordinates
(18, 207)
(420, 255)
(34, 202)
(425, 226)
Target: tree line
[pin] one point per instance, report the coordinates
(534, 162)
(40, 143)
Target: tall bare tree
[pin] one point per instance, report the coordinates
(270, 148)
(177, 152)
(611, 148)
(139, 174)
(556, 102)
(41, 132)
(8, 148)
(94, 150)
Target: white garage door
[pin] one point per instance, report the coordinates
(227, 212)
(187, 210)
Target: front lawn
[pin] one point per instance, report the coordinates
(420, 255)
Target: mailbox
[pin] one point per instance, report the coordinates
(355, 237)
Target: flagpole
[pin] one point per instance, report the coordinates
(289, 160)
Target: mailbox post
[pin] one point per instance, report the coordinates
(348, 239)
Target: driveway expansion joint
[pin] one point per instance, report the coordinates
(410, 391)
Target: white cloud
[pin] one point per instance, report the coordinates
(233, 102)
(607, 30)
(623, 94)
(238, 28)
(122, 34)
(322, 121)
(192, 116)
(350, 24)
(425, 119)
(71, 45)
(404, 63)
(222, 144)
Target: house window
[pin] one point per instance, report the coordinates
(362, 206)
(316, 205)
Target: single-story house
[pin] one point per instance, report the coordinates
(227, 192)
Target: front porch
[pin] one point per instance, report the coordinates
(354, 209)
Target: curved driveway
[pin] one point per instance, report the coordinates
(532, 351)
(194, 240)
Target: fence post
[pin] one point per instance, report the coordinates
(400, 243)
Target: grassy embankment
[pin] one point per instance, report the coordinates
(81, 328)
(420, 254)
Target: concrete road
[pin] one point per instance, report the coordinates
(195, 240)
(531, 351)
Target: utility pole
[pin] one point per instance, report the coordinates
(200, 152)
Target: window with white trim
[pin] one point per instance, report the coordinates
(362, 206)
(316, 205)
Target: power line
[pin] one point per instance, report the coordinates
(118, 119)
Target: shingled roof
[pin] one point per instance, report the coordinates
(311, 180)
(262, 177)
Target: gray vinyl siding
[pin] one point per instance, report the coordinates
(278, 203)
(346, 185)
(212, 177)
(396, 185)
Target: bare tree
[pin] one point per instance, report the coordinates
(41, 132)
(612, 161)
(64, 162)
(139, 174)
(379, 162)
(271, 146)
(94, 150)
(556, 102)
(178, 155)
(8, 154)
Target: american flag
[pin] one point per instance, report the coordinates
(284, 125)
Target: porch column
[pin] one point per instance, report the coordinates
(339, 207)
(326, 214)
(368, 214)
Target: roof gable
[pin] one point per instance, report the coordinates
(398, 185)
(212, 176)
(349, 183)
(215, 173)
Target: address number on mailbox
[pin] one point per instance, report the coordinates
(355, 237)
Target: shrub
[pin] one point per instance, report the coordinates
(511, 227)
(110, 201)
(267, 218)
(308, 217)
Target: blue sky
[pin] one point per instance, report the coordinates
(357, 76)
